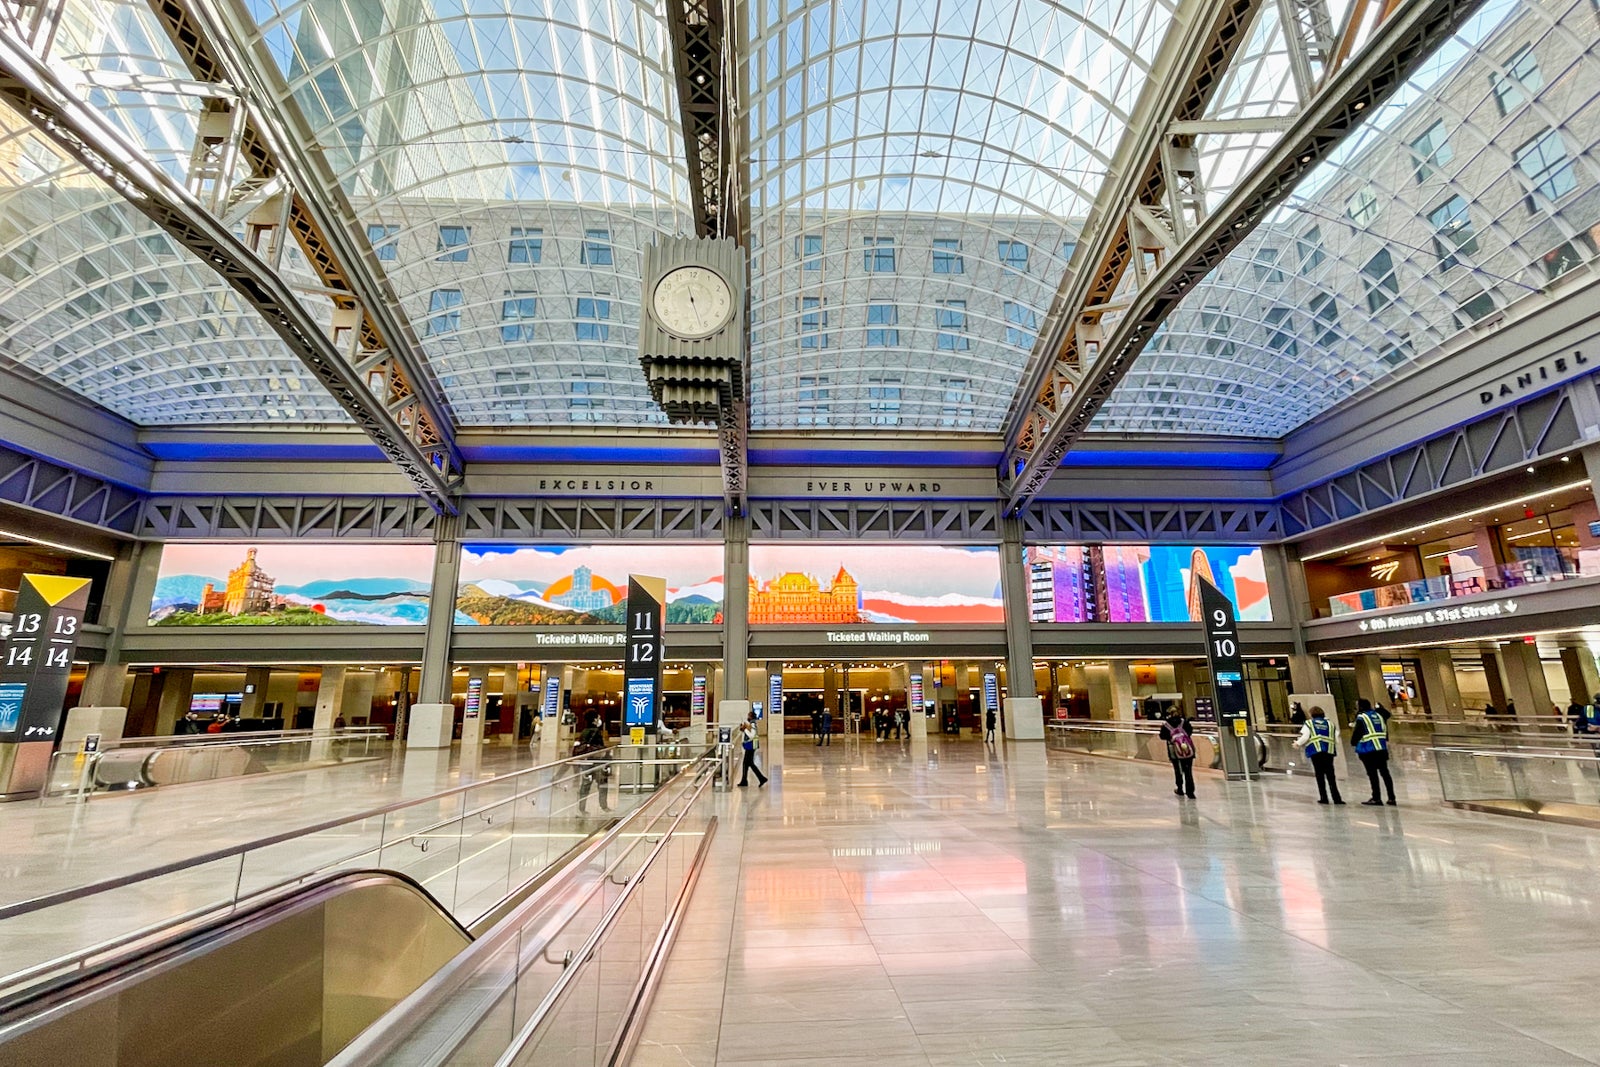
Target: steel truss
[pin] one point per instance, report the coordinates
(38, 484)
(1054, 522)
(870, 520)
(577, 521)
(1399, 45)
(352, 518)
(1534, 429)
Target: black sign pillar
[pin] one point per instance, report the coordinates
(34, 669)
(642, 655)
(1229, 694)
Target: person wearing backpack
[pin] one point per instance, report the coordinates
(747, 737)
(1371, 739)
(1178, 733)
(1320, 742)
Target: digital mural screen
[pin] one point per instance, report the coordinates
(292, 584)
(839, 585)
(583, 585)
(1142, 583)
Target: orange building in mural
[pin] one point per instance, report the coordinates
(800, 598)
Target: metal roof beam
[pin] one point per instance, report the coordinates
(1398, 46)
(44, 99)
(702, 65)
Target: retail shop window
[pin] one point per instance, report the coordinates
(1452, 232)
(1266, 266)
(810, 249)
(594, 315)
(1014, 256)
(1309, 247)
(596, 248)
(1022, 324)
(1521, 79)
(453, 241)
(526, 246)
(1432, 151)
(812, 403)
(384, 242)
(958, 408)
(1378, 276)
(883, 321)
(1325, 310)
(952, 321)
(1280, 331)
(813, 322)
(947, 258)
(1362, 207)
(444, 312)
(517, 313)
(877, 255)
(1543, 160)
(883, 401)
(586, 398)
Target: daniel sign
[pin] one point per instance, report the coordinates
(1440, 616)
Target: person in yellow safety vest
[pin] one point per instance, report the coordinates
(1371, 739)
(1320, 742)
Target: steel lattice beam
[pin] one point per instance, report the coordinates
(38, 94)
(49, 487)
(1342, 102)
(699, 32)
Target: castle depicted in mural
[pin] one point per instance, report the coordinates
(249, 590)
(799, 598)
(583, 596)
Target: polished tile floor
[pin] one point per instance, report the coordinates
(951, 903)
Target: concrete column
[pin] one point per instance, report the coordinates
(105, 683)
(1017, 597)
(1188, 683)
(177, 689)
(1577, 663)
(256, 680)
(1121, 690)
(1524, 678)
(144, 704)
(550, 727)
(1441, 693)
(330, 697)
(1369, 680)
(735, 606)
(697, 720)
(830, 694)
(472, 728)
(1492, 679)
(434, 688)
(359, 688)
(510, 693)
(1305, 672)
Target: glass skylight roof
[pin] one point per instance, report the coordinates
(1472, 196)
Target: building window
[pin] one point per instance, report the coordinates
(1452, 232)
(1217, 326)
(1562, 258)
(1432, 151)
(596, 248)
(877, 255)
(1280, 331)
(453, 243)
(1014, 256)
(586, 398)
(957, 409)
(1326, 313)
(1363, 206)
(444, 312)
(1381, 283)
(1522, 77)
(1477, 309)
(810, 249)
(1068, 249)
(383, 241)
(527, 245)
(813, 322)
(1266, 265)
(883, 401)
(882, 320)
(1309, 246)
(1548, 168)
(952, 322)
(1022, 324)
(594, 317)
(517, 311)
(811, 405)
(947, 257)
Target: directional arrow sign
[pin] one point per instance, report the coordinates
(1511, 605)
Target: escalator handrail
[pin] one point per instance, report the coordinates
(67, 896)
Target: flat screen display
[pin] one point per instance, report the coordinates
(583, 585)
(840, 585)
(1142, 583)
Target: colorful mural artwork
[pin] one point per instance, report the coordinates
(292, 585)
(828, 585)
(1142, 583)
(582, 585)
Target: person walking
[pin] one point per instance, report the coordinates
(816, 724)
(597, 768)
(1178, 733)
(901, 728)
(747, 738)
(1320, 741)
(1371, 738)
(827, 727)
(988, 725)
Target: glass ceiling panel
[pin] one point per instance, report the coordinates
(99, 300)
(508, 160)
(1473, 196)
(919, 172)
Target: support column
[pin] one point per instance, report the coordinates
(550, 748)
(256, 680)
(104, 683)
(1305, 672)
(103, 686)
(1121, 691)
(1583, 679)
(1492, 678)
(1023, 713)
(177, 689)
(434, 688)
(1441, 692)
(1369, 680)
(510, 693)
(1188, 684)
(1524, 678)
(735, 609)
(330, 697)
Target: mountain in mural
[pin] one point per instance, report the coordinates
(888, 607)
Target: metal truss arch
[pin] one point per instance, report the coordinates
(345, 518)
(1055, 521)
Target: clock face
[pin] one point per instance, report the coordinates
(692, 302)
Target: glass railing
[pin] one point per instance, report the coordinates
(1560, 782)
(470, 847)
(1129, 740)
(1493, 578)
(564, 977)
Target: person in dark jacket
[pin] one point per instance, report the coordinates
(1370, 737)
(988, 725)
(1178, 733)
(597, 771)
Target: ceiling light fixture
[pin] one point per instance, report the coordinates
(32, 540)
